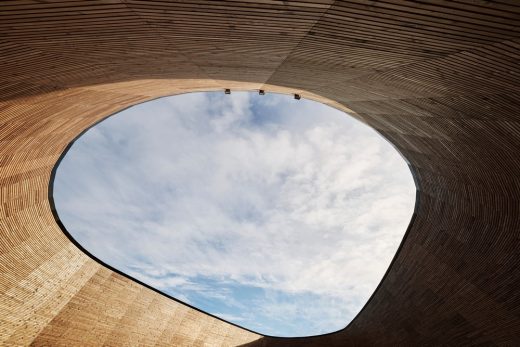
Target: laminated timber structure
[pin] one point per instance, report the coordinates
(439, 79)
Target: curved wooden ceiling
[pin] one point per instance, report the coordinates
(440, 79)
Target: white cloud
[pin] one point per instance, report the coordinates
(298, 199)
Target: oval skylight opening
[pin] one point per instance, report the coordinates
(276, 214)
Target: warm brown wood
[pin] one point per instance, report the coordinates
(440, 79)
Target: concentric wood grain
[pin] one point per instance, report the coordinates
(440, 79)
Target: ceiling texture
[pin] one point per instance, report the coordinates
(439, 79)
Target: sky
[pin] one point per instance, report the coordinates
(276, 214)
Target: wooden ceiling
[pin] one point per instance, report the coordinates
(439, 79)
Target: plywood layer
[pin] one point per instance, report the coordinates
(439, 79)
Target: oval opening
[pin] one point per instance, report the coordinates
(276, 214)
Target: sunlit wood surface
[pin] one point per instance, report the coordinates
(440, 79)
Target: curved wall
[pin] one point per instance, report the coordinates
(439, 79)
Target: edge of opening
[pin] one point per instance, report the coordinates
(99, 261)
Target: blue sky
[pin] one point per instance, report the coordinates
(279, 215)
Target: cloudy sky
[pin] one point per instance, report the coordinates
(279, 215)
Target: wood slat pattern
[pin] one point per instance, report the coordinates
(439, 79)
